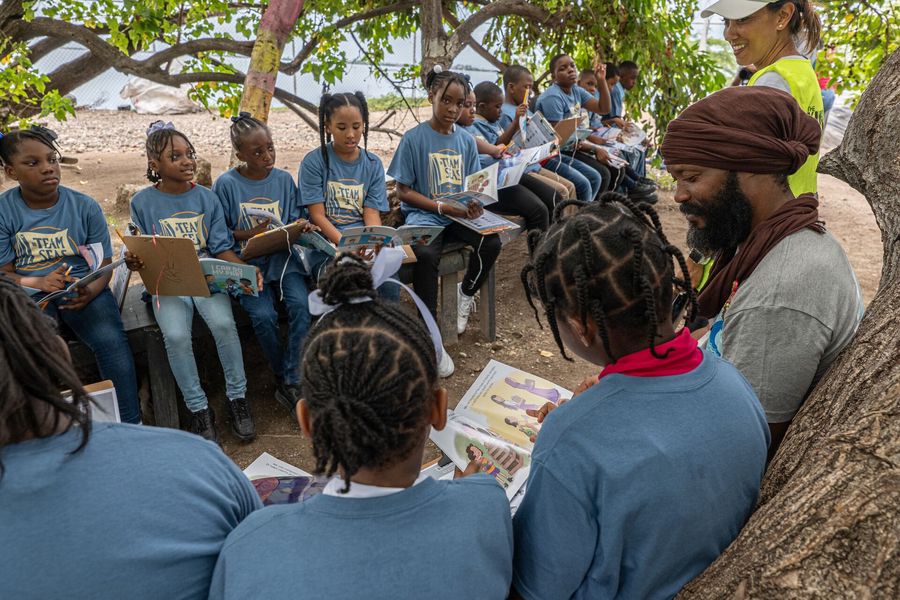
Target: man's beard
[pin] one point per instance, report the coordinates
(728, 219)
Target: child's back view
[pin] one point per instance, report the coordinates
(379, 530)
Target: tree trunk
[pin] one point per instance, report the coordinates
(828, 523)
(265, 60)
(436, 46)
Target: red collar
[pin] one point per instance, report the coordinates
(683, 357)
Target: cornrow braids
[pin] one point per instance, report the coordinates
(10, 142)
(159, 136)
(368, 373)
(33, 371)
(437, 82)
(609, 261)
(242, 126)
(328, 104)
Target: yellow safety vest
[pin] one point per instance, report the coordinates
(801, 78)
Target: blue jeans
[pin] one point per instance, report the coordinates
(587, 181)
(175, 315)
(285, 361)
(99, 327)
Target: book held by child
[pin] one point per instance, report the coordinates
(481, 186)
(490, 424)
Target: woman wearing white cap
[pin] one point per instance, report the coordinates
(766, 35)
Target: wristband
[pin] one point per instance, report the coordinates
(440, 209)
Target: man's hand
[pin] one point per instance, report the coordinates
(83, 296)
(55, 280)
(133, 261)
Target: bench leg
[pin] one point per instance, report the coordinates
(487, 308)
(163, 391)
(448, 308)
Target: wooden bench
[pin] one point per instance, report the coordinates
(148, 347)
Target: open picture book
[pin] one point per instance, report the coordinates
(513, 168)
(376, 237)
(490, 424)
(481, 187)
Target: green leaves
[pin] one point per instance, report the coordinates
(24, 90)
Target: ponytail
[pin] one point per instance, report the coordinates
(805, 25)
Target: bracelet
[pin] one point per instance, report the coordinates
(440, 207)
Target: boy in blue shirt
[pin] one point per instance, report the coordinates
(99, 510)
(370, 398)
(656, 462)
(257, 184)
(47, 234)
(519, 82)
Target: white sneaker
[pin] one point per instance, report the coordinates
(464, 306)
(445, 365)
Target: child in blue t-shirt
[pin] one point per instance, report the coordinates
(50, 236)
(175, 206)
(341, 184)
(519, 83)
(633, 184)
(656, 463)
(433, 160)
(257, 184)
(150, 504)
(564, 99)
(370, 398)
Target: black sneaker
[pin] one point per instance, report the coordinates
(203, 423)
(287, 395)
(241, 421)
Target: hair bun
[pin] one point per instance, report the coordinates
(347, 280)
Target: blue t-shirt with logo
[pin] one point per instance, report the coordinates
(617, 102)
(651, 477)
(346, 188)
(556, 105)
(196, 215)
(275, 194)
(138, 513)
(39, 241)
(381, 547)
(433, 164)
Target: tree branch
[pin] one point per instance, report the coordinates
(500, 8)
(474, 45)
(289, 68)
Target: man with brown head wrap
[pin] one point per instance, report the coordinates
(782, 296)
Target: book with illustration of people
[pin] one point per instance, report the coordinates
(492, 427)
(376, 237)
(481, 187)
(230, 278)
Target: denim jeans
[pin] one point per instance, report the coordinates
(175, 315)
(284, 360)
(587, 181)
(99, 327)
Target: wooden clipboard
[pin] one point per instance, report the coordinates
(272, 241)
(565, 129)
(171, 266)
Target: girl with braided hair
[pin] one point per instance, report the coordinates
(76, 494)
(47, 233)
(433, 160)
(175, 206)
(657, 464)
(257, 184)
(341, 184)
(370, 398)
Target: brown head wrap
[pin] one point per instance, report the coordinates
(753, 129)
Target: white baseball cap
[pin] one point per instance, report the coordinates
(734, 9)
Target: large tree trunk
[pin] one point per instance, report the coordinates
(828, 520)
(274, 29)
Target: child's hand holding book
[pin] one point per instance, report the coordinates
(56, 280)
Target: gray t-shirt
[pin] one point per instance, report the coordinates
(789, 320)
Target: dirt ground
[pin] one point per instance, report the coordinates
(107, 146)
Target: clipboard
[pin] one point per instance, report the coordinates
(171, 266)
(275, 240)
(565, 129)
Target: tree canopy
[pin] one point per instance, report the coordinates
(208, 35)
